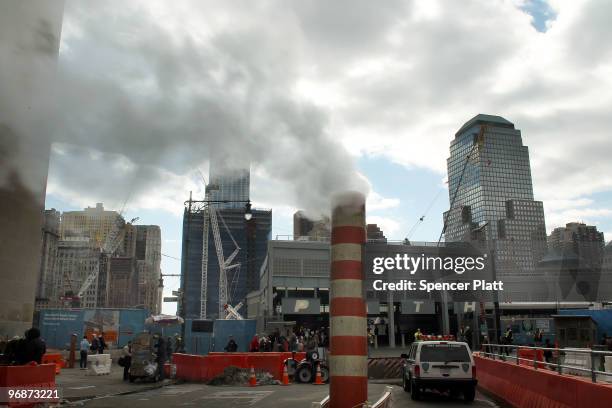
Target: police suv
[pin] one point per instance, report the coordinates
(439, 365)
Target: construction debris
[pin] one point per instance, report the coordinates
(240, 376)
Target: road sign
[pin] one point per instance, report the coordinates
(171, 299)
(176, 293)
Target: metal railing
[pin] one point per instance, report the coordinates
(504, 352)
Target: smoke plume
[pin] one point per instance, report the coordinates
(142, 95)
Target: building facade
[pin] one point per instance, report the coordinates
(491, 197)
(579, 239)
(228, 184)
(148, 265)
(305, 228)
(200, 269)
(375, 234)
(77, 257)
(46, 291)
(295, 288)
(92, 222)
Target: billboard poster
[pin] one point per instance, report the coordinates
(102, 321)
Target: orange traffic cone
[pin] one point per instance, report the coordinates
(252, 379)
(285, 376)
(318, 380)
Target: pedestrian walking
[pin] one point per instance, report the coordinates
(127, 360)
(161, 357)
(169, 349)
(84, 348)
(548, 353)
(95, 343)
(508, 339)
(102, 344)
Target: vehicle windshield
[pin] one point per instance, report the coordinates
(445, 352)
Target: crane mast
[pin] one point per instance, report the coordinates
(211, 222)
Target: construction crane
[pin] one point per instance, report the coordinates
(211, 222)
(111, 243)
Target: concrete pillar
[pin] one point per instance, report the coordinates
(348, 349)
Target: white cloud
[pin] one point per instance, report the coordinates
(591, 216)
(393, 80)
(390, 226)
(377, 202)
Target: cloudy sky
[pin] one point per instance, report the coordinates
(323, 96)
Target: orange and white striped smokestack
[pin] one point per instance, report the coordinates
(348, 348)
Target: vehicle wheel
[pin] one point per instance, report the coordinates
(469, 393)
(132, 378)
(415, 392)
(324, 374)
(303, 374)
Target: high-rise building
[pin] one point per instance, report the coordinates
(228, 184)
(302, 225)
(491, 195)
(123, 283)
(93, 222)
(305, 228)
(375, 234)
(200, 260)
(29, 34)
(148, 267)
(581, 240)
(46, 291)
(77, 258)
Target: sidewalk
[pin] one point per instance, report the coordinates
(74, 385)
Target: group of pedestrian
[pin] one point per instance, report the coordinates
(96, 346)
(23, 350)
(296, 340)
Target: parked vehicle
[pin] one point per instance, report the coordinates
(305, 371)
(439, 365)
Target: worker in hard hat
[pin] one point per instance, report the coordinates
(418, 335)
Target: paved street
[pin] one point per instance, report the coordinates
(435, 400)
(189, 394)
(295, 395)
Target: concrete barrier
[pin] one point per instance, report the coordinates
(577, 359)
(385, 367)
(531, 354)
(203, 368)
(26, 377)
(523, 386)
(99, 364)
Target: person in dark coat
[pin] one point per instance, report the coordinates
(232, 346)
(34, 347)
(254, 345)
(102, 345)
(161, 357)
(169, 348)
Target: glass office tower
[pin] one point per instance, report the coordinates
(228, 184)
(491, 195)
